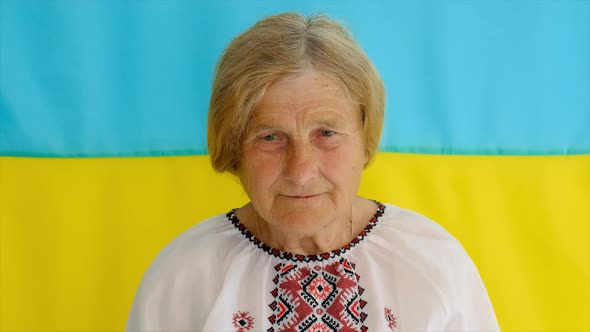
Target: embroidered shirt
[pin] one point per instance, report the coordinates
(403, 272)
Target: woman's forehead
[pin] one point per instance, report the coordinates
(306, 88)
(308, 98)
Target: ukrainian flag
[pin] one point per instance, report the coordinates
(103, 158)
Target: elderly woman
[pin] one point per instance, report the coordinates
(296, 113)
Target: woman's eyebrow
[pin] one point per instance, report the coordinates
(330, 122)
(272, 122)
(327, 123)
(257, 125)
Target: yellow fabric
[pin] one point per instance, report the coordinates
(77, 234)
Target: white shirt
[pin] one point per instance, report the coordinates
(404, 272)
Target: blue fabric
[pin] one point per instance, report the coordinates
(128, 78)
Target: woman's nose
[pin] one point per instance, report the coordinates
(301, 164)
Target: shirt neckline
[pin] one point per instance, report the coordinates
(231, 216)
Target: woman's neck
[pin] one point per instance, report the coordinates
(331, 236)
(334, 235)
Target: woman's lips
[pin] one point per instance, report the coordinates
(301, 196)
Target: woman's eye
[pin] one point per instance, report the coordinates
(328, 133)
(270, 137)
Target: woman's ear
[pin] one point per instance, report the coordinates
(367, 160)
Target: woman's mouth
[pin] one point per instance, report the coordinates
(306, 196)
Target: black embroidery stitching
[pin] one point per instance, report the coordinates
(308, 258)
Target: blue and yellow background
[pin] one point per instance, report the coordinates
(103, 155)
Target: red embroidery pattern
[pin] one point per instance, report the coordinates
(242, 321)
(318, 299)
(390, 318)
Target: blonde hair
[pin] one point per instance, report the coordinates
(280, 46)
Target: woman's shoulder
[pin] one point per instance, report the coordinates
(174, 279)
(407, 222)
(427, 254)
(200, 234)
(415, 242)
(189, 251)
(425, 247)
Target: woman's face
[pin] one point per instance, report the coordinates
(303, 154)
